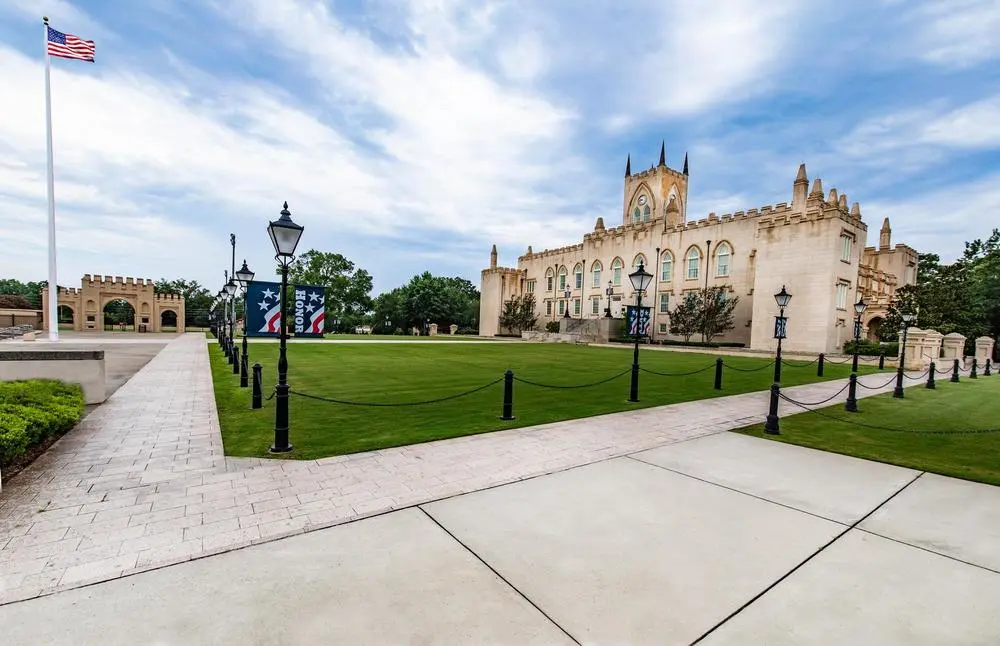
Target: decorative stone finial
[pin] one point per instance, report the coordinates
(685, 163)
(833, 198)
(843, 202)
(817, 190)
(599, 225)
(628, 166)
(856, 212)
(801, 177)
(663, 152)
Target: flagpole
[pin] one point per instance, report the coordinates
(53, 284)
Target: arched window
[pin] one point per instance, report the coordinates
(722, 254)
(667, 266)
(616, 271)
(693, 262)
(562, 279)
(596, 269)
(548, 279)
(639, 260)
(578, 276)
(636, 215)
(645, 213)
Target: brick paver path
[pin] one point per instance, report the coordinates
(142, 482)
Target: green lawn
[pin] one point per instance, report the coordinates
(392, 373)
(404, 337)
(951, 407)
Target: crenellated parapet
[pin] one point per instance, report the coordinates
(119, 283)
(67, 291)
(169, 298)
(549, 253)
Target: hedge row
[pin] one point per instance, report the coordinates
(34, 410)
(872, 348)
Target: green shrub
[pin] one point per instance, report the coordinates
(32, 411)
(552, 326)
(872, 348)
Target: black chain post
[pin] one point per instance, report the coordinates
(954, 372)
(771, 424)
(508, 396)
(819, 364)
(851, 406)
(257, 394)
(236, 359)
(972, 375)
(930, 377)
(244, 372)
(718, 373)
(881, 361)
(986, 372)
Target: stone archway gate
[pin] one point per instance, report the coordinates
(87, 302)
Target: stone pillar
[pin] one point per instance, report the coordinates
(453, 328)
(953, 346)
(434, 329)
(984, 350)
(915, 339)
(932, 346)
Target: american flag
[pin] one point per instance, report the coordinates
(69, 46)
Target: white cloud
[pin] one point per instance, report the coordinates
(955, 33)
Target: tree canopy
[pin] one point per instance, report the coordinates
(348, 288)
(426, 297)
(30, 291)
(197, 299)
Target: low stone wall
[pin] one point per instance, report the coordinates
(550, 337)
(84, 367)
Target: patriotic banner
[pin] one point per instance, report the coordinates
(263, 315)
(637, 321)
(310, 311)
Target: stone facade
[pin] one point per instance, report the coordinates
(814, 245)
(87, 303)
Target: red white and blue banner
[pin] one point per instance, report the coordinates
(310, 311)
(263, 309)
(637, 321)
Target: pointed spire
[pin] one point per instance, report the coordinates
(801, 177)
(628, 166)
(843, 202)
(529, 250)
(685, 163)
(599, 225)
(833, 198)
(663, 152)
(885, 222)
(817, 190)
(493, 257)
(856, 211)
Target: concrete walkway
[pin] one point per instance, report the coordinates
(143, 483)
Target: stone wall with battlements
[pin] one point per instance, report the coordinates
(814, 244)
(88, 301)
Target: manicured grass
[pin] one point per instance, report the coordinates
(968, 405)
(394, 373)
(405, 337)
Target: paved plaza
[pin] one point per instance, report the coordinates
(653, 526)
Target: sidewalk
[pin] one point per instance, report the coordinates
(142, 482)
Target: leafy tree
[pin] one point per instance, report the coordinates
(197, 299)
(31, 291)
(716, 312)
(428, 298)
(685, 320)
(348, 288)
(519, 313)
(15, 302)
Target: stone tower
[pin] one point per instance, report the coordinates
(648, 194)
(885, 235)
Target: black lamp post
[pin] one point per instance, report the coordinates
(859, 309)
(897, 392)
(566, 295)
(640, 281)
(285, 236)
(230, 289)
(851, 405)
(388, 325)
(782, 298)
(219, 326)
(245, 276)
(608, 292)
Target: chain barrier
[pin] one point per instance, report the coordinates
(829, 360)
(877, 387)
(271, 396)
(392, 405)
(804, 404)
(678, 374)
(798, 365)
(981, 431)
(920, 376)
(570, 387)
(766, 365)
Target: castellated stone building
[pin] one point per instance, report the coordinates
(814, 245)
(153, 312)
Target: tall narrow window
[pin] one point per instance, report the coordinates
(531, 286)
(846, 245)
(548, 308)
(664, 303)
(562, 307)
(639, 260)
(636, 215)
(667, 266)
(562, 279)
(595, 306)
(597, 274)
(645, 213)
(722, 254)
(578, 276)
(616, 271)
(694, 263)
(842, 288)
(576, 306)
(548, 280)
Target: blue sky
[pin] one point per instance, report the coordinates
(411, 135)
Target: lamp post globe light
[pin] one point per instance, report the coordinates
(782, 299)
(285, 236)
(640, 281)
(608, 292)
(897, 392)
(245, 276)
